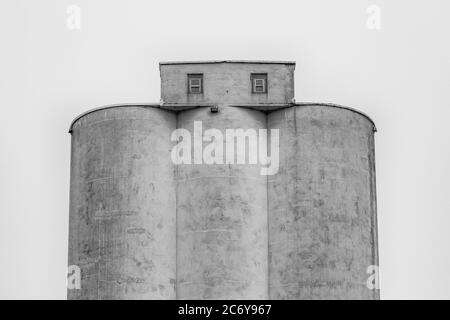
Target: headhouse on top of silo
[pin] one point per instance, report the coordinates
(259, 84)
(144, 225)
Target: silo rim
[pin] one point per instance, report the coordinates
(334, 105)
(157, 105)
(109, 106)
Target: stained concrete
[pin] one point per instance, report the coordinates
(322, 214)
(123, 205)
(222, 218)
(142, 228)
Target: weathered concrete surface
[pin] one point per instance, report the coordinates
(222, 218)
(139, 225)
(322, 214)
(227, 83)
(122, 204)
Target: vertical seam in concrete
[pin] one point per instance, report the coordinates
(297, 151)
(267, 216)
(175, 173)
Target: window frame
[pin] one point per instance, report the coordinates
(195, 76)
(254, 77)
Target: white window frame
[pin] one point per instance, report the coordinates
(195, 84)
(261, 85)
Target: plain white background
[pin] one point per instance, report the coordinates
(399, 75)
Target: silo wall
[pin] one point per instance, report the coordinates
(221, 217)
(122, 230)
(142, 227)
(321, 205)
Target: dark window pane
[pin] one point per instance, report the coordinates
(195, 83)
(259, 82)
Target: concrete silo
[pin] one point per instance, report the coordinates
(146, 226)
(122, 204)
(222, 218)
(322, 218)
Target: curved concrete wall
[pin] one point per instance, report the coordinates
(322, 215)
(122, 204)
(222, 218)
(144, 228)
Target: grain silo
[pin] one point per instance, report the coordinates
(144, 225)
(322, 234)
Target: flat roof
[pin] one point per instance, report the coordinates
(228, 61)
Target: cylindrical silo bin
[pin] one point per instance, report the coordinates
(321, 204)
(123, 204)
(221, 214)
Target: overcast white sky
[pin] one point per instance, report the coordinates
(399, 75)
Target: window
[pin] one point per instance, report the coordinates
(195, 83)
(259, 82)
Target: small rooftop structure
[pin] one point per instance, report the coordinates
(262, 84)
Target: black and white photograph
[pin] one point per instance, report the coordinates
(224, 153)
